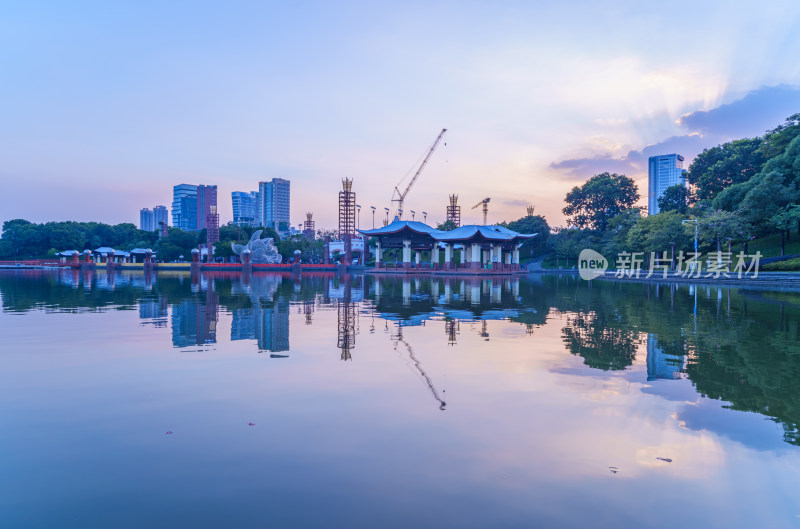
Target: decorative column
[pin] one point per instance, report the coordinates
(508, 258)
(448, 255)
(378, 254)
(464, 258)
(476, 256)
(417, 257)
(515, 258)
(435, 255)
(406, 254)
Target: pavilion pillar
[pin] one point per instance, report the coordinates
(464, 259)
(515, 258)
(378, 254)
(406, 254)
(435, 254)
(417, 257)
(508, 258)
(448, 255)
(475, 262)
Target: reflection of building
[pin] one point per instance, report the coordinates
(195, 323)
(661, 366)
(155, 311)
(664, 171)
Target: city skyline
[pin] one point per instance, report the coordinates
(536, 99)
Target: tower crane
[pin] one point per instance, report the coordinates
(399, 196)
(485, 203)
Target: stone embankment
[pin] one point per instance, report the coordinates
(771, 280)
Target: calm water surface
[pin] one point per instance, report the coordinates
(132, 401)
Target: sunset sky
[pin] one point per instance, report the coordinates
(104, 106)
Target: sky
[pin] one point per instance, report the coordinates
(104, 106)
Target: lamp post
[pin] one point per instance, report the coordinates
(373, 216)
(387, 216)
(425, 217)
(358, 216)
(696, 224)
(412, 214)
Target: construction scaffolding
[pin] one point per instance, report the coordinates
(347, 218)
(308, 227)
(530, 210)
(212, 228)
(454, 211)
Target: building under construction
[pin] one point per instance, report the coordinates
(454, 211)
(347, 218)
(308, 227)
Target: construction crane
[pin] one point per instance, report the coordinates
(399, 196)
(485, 203)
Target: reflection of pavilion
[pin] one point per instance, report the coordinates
(661, 366)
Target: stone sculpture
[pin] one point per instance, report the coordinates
(262, 251)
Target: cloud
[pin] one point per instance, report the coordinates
(760, 110)
(752, 115)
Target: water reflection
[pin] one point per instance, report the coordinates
(737, 346)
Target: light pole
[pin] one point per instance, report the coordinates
(425, 217)
(358, 216)
(412, 214)
(387, 216)
(373, 216)
(696, 224)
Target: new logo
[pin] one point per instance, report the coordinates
(591, 264)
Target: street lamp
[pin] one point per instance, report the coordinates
(373, 216)
(358, 215)
(387, 216)
(412, 214)
(696, 224)
(425, 217)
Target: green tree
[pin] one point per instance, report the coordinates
(784, 220)
(675, 198)
(602, 197)
(717, 226)
(725, 165)
(447, 225)
(532, 224)
(657, 234)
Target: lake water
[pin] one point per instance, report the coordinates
(166, 400)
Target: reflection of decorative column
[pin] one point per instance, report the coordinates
(406, 254)
(406, 292)
(448, 255)
(475, 292)
(448, 291)
(435, 290)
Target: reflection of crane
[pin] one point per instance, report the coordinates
(428, 381)
(399, 196)
(485, 203)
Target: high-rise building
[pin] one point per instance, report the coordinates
(273, 205)
(664, 171)
(160, 215)
(245, 207)
(146, 220)
(206, 206)
(184, 207)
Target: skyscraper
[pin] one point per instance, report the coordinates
(206, 205)
(184, 207)
(664, 171)
(273, 205)
(245, 206)
(160, 215)
(146, 220)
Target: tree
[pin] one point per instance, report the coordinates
(784, 220)
(778, 139)
(722, 166)
(447, 225)
(657, 233)
(675, 198)
(602, 197)
(719, 225)
(532, 224)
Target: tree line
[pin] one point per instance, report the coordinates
(22, 239)
(737, 191)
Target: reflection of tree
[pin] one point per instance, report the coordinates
(601, 345)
